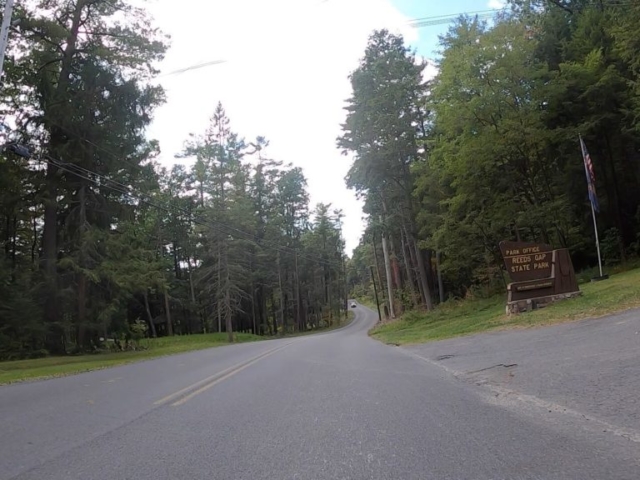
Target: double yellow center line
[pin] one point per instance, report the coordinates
(187, 393)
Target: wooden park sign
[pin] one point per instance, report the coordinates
(539, 275)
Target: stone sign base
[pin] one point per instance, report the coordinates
(519, 306)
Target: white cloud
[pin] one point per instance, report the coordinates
(497, 4)
(431, 70)
(285, 77)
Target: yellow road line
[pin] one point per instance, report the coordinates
(215, 378)
(238, 369)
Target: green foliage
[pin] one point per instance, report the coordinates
(102, 246)
(58, 366)
(467, 317)
(501, 153)
(610, 247)
(384, 129)
(138, 330)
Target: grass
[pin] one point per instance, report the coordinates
(19, 370)
(335, 326)
(455, 318)
(49, 367)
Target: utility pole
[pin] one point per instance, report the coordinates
(4, 31)
(346, 289)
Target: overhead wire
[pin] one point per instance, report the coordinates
(442, 19)
(123, 189)
(118, 158)
(416, 22)
(233, 230)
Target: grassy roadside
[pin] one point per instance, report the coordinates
(620, 292)
(335, 326)
(49, 367)
(367, 303)
(18, 370)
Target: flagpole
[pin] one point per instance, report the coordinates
(593, 212)
(595, 229)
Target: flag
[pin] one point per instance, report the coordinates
(591, 178)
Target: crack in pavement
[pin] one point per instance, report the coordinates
(507, 365)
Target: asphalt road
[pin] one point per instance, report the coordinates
(332, 406)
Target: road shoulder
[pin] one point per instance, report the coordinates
(584, 372)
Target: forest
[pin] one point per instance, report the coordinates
(100, 241)
(489, 149)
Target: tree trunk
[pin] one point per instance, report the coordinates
(55, 341)
(228, 316)
(440, 287)
(423, 276)
(81, 277)
(410, 278)
(517, 231)
(152, 326)
(431, 274)
(194, 305)
(395, 267)
(218, 299)
(7, 237)
(622, 233)
(34, 243)
(387, 267)
(14, 247)
(167, 308)
(82, 310)
(411, 237)
(281, 297)
(378, 272)
(263, 315)
(414, 261)
(296, 280)
(275, 315)
(176, 263)
(253, 307)
(346, 289)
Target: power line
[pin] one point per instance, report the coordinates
(123, 189)
(99, 147)
(443, 19)
(116, 157)
(416, 22)
(126, 192)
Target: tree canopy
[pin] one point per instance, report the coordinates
(100, 240)
(489, 150)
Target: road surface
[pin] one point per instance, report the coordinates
(589, 368)
(331, 406)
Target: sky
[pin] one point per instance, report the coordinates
(284, 76)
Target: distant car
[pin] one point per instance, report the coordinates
(353, 304)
